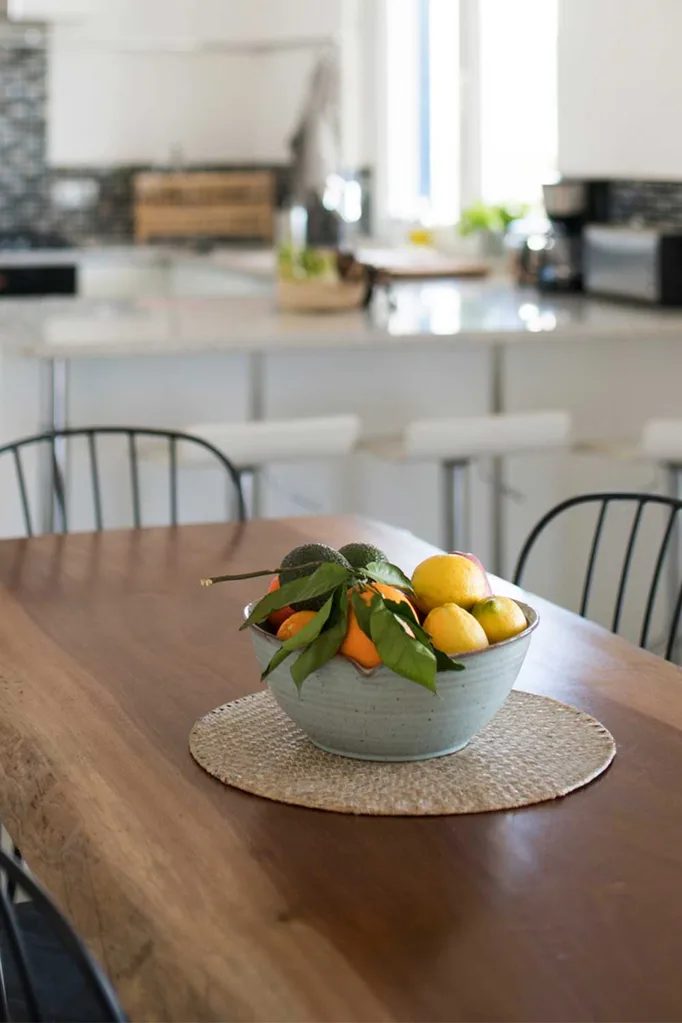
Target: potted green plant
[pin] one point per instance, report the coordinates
(489, 222)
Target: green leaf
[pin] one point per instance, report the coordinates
(327, 643)
(323, 580)
(401, 653)
(311, 630)
(446, 663)
(363, 611)
(404, 611)
(304, 636)
(391, 575)
(275, 661)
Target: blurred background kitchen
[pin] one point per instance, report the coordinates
(348, 217)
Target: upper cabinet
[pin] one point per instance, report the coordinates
(219, 81)
(620, 88)
(160, 23)
(47, 10)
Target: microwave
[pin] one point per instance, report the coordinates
(640, 263)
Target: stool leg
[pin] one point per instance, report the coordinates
(256, 493)
(455, 506)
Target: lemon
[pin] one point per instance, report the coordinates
(501, 618)
(448, 579)
(454, 631)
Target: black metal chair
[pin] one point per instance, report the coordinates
(56, 491)
(666, 549)
(46, 972)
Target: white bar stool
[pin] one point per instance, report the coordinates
(661, 441)
(456, 442)
(251, 446)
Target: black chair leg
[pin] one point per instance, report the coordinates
(674, 472)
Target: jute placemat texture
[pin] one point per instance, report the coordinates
(534, 749)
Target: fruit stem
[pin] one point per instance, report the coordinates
(243, 575)
(256, 575)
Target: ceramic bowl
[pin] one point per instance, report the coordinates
(378, 715)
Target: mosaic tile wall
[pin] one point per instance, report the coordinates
(23, 175)
(650, 202)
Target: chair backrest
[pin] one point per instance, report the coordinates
(46, 972)
(53, 443)
(664, 549)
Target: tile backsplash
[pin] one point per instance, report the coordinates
(647, 202)
(83, 204)
(23, 170)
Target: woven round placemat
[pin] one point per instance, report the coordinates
(534, 749)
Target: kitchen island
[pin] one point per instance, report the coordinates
(202, 340)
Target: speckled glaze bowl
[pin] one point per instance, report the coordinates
(378, 715)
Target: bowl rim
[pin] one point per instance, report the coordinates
(532, 620)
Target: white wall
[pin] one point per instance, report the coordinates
(114, 98)
(620, 88)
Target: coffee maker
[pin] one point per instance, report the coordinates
(570, 205)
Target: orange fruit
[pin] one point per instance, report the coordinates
(294, 623)
(356, 644)
(277, 617)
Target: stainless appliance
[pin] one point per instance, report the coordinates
(560, 265)
(644, 264)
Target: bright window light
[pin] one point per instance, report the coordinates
(513, 93)
(444, 104)
(518, 90)
(402, 68)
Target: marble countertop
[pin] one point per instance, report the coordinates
(488, 311)
(253, 262)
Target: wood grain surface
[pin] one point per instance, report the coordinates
(203, 902)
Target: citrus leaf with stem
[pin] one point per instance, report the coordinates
(406, 612)
(307, 634)
(327, 643)
(399, 651)
(277, 658)
(363, 609)
(445, 663)
(322, 581)
(390, 575)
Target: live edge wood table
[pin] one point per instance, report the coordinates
(203, 902)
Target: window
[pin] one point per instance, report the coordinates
(422, 109)
(471, 104)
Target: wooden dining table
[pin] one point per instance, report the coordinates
(205, 903)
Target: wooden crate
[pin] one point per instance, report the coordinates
(239, 204)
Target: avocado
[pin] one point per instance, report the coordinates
(310, 554)
(362, 554)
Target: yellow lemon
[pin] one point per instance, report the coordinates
(448, 579)
(501, 618)
(454, 631)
